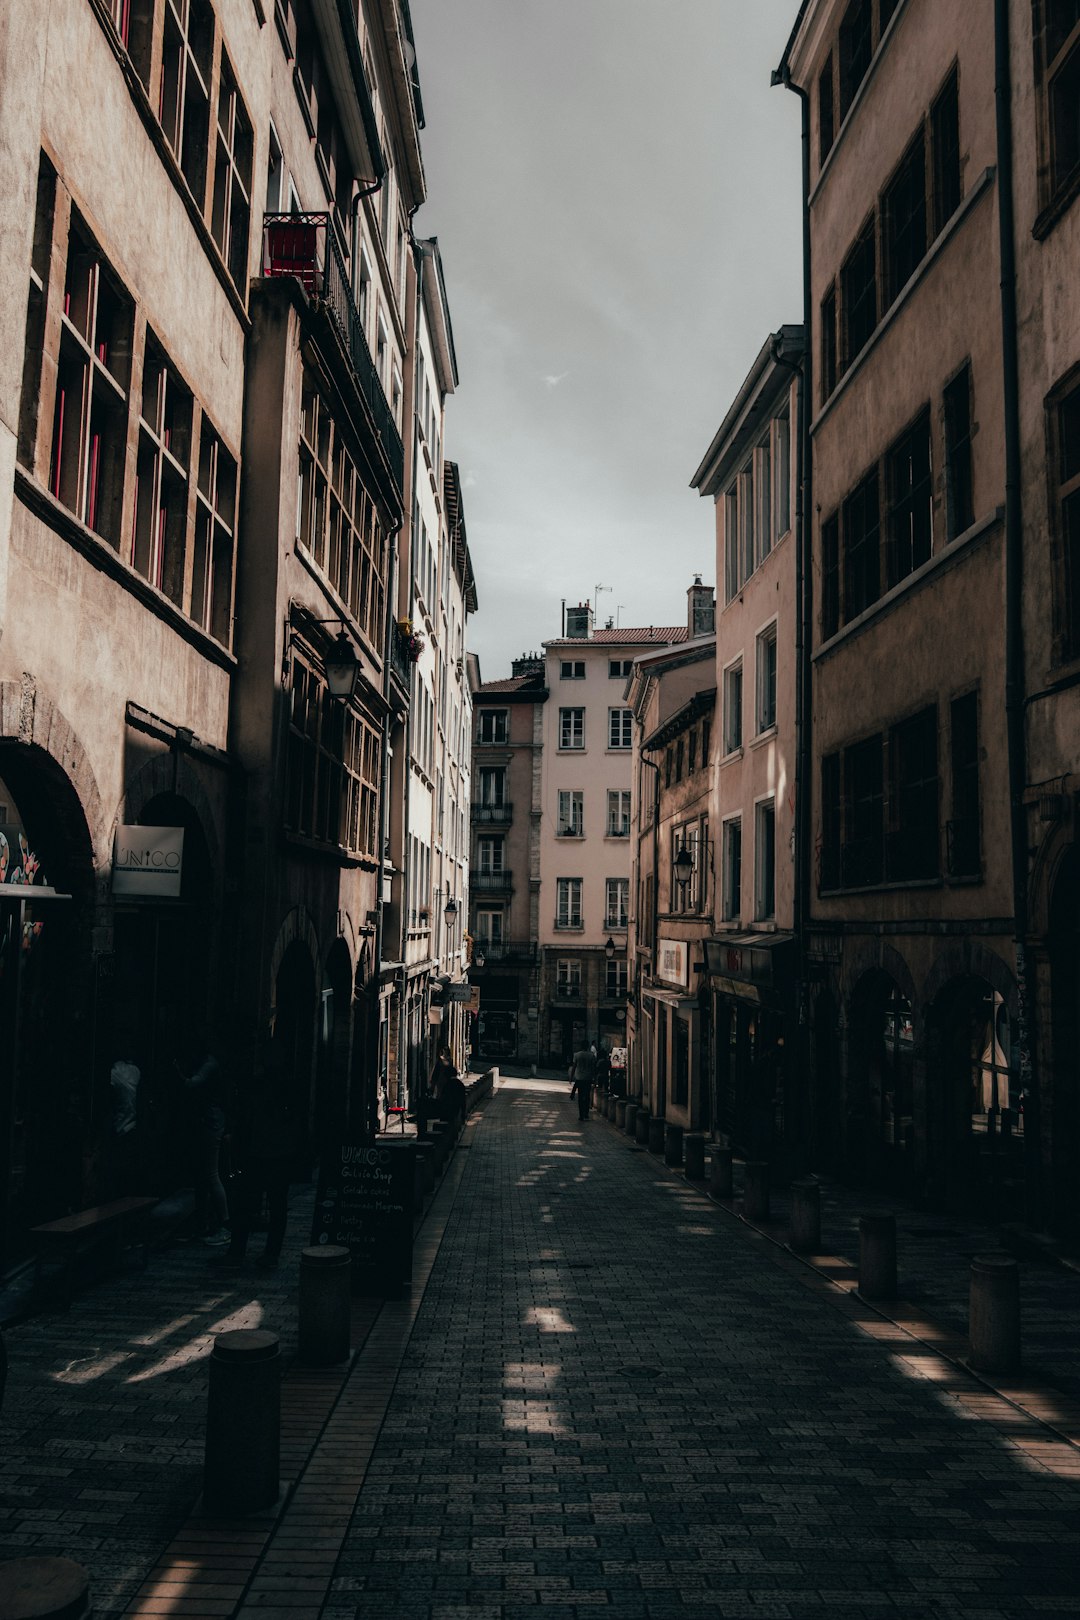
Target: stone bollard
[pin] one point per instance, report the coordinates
(994, 1320)
(325, 1326)
(243, 1423)
(630, 1114)
(620, 1113)
(756, 1190)
(44, 1589)
(657, 1127)
(673, 1145)
(721, 1178)
(877, 1256)
(805, 1217)
(641, 1126)
(694, 1149)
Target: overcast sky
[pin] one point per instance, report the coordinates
(616, 192)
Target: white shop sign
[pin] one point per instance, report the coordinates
(673, 962)
(148, 862)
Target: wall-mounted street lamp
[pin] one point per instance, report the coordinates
(609, 949)
(342, 667)
(683, 867)
(450, 913)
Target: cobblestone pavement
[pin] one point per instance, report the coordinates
(613, 1400)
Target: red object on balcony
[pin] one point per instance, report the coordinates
(292, 250)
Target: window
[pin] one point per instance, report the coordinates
(763, 481)
(572, 669)
(686, 894)
(615, 980)
(909, 497)
(489, 931)
(959, 491)
(40, 264)
(620, 728)
(230, 221)
(826, 112)
(945, 153)
(1058, 58)
(568, 978)
(862, 858)
(830, 577)
(618, 814)
(766, 679)
(903, 220)
(616, 902)
(568, 903)
(571, 728)
(765, 861)
(782, 461)
(161, 476)
(332, 767)
(491, 781)
(134, 22)
(829, 353)
(680, 752)
(184, 105)
(734, 708)
(620, 668)
(732, 560)
(964, 856)
(93, 372)
(492, 725)
(732, 854)
(913, 798)
(747, 516)
(691, 751)
(855, 48)
(215, 524)
(571, 815)
(1065, 502)
(858, 292)
(829, 874)
(862, 563)
(490, 855)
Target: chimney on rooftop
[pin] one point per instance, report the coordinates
(579, 621)
(701, 609)
(527, 664)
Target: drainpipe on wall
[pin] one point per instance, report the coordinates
(1014, 586)
(374, 1030)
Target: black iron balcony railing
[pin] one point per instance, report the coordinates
(303, 246)
(493, 814)
(503, 950)
(489, 882)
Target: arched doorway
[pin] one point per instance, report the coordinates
(976, 1083)
(880, 1094)
(332, 1071)
(294, 1029)
(47, 1000)
(1064, 950)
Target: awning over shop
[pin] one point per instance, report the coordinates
(750, 964)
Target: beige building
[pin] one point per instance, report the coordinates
(751, 970)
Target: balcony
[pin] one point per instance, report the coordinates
(568, 992)
(303, 248)
(490, 882)
(493, 815)
(504, 950)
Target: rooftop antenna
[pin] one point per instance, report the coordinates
(618, 610)
(596, 597)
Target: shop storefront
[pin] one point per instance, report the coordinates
(751, 986)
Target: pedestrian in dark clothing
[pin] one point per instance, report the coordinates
(447, 1088)
(264, 1160)
(204, 1086)
(582, 1073)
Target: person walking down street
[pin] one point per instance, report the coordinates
(204, 1086)
(448, 1088)
(267, 1145)
(582, 1073)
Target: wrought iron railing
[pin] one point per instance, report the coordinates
(487, 882)
(494, 814)
(504, 950)
(304, 247)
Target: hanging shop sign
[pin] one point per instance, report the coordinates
(148, 862)
(672, 962)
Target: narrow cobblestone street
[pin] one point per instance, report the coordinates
(606, 1392)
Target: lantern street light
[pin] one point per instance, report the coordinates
(609, 949)
(342, 668)
(450, 913)
(683, 866)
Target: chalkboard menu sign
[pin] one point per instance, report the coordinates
(365, 1203)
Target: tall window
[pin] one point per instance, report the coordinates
(909, 496)
(161, 479)
(215, 527)
(1058, 56)
(571, 821)
(945, 151)
(830, 822)
(615, 980)
(568, 903)
(913, 848)
(903, 221)
(855, 48)
(491, 784)
(732, 853)
(618, 814)
(687, 893)
(616, 902)
(620, 728)
(230, 220)
(959, 490)
(187, 55)
(491, 855)
(332, 767)
(964, 855)
(93, 374)
(864, 804)
(830, 577)
(733, 703)
(1065, 418)
(765, 860)
(826, 112)
(766, 679)
(571, 728)
(489, 930)
(830, 362)
(568, 978)
(862, 546)
(858, 292)
(492, 725)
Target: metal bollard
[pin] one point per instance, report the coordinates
(877, 1256)
(721, 1177)
(673, 1145)
(44, 1589)
(657, 1127)
(243, 1423)
(620, 1113)
(694, 1150)
(630, 1114)
(805, 1217)
(641, 1126)
(994, 1318)
(756, 1190)
(325, 1326)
